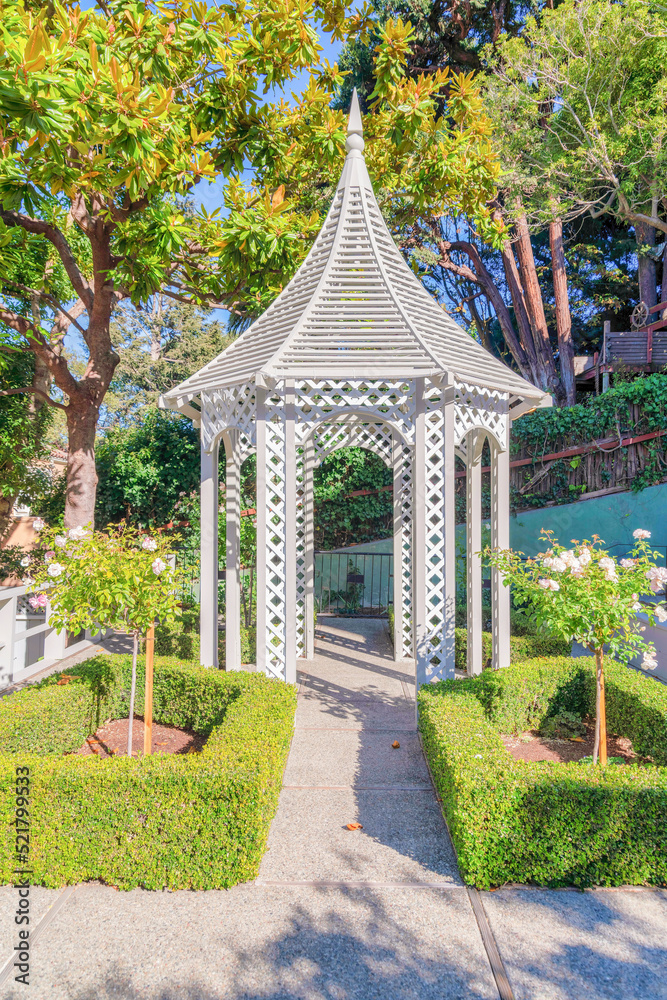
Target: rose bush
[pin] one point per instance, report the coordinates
(116, 579)
(586, 595)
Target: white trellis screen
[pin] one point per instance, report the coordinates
(355, 351)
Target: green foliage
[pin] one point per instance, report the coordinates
(116, 579)
(548, 823)
(198, 821)
(612, 414)
(144, 469)
(23, 419)
(565, 725)
(343, 520)
(522, 647)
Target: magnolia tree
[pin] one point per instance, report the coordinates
(119, 579)
(584, 594)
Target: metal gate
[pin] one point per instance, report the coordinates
(361, 583)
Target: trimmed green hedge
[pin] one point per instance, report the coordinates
(522, 647)
(178, 821)
(548, 823)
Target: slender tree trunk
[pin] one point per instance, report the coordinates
(81, 472)
(600, 748)
(133, 688)
(533, 300)
(525, 332)
(481, 277)
(646, 267)
(563, 315)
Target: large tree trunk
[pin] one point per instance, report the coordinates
(81, 472)
(563, 315)
(646, 268)
(534, 305)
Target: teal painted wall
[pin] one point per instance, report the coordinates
(613, 518)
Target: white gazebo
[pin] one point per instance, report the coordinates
(355, 351)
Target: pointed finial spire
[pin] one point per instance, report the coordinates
(355, 128)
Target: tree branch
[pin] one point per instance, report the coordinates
(54, 235)
(34, 392)
(47, 298)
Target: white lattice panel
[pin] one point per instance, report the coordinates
(223, 409)
(319, 400)
(274, 542)
(432, 652)
(302, 501)
(477, 407)
(330, 437)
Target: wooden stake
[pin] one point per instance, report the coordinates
(603, 712)
(148, 696)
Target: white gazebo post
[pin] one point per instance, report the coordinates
(232, 551)
(500, 538)
(474, 443)
(355, 352)
(208, 582)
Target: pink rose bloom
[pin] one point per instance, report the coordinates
(38, 524)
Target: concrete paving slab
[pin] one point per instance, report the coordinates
(404, 838)
(261, 943)
(332, 757)
(40, 900)
(331, 713)
(597, 945)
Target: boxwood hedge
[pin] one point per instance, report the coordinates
(179, 821)
(548, 823)
(522, 647)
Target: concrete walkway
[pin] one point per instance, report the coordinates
(347, 915)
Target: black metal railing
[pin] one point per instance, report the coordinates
(361, 583)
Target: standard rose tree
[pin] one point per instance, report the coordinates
(584, 594)
(118, 579)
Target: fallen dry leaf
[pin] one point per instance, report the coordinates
(64, 680)
(577, 739)
(162, 744)
(396, 744)
(354, 826)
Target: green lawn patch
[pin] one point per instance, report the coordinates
(548, 823)
(195, 821)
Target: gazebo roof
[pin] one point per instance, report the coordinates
(354, 309)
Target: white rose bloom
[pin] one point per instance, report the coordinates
(611, 575)
(55, 569)
(585, 557)
(558, 565)
(626, 563)
(38, 524)
(149, 544)
(25, 561)
(60, 541)
(158, 566)
(606, 563)
(578, 572)
(649, 661)
(544, 584)
(641, 533)
(661, 613)
(76, 533)
(553, 585)
(636, 606)
(547, 562)
(568, 557)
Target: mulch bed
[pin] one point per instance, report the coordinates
(531, 746)
(110, 740)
